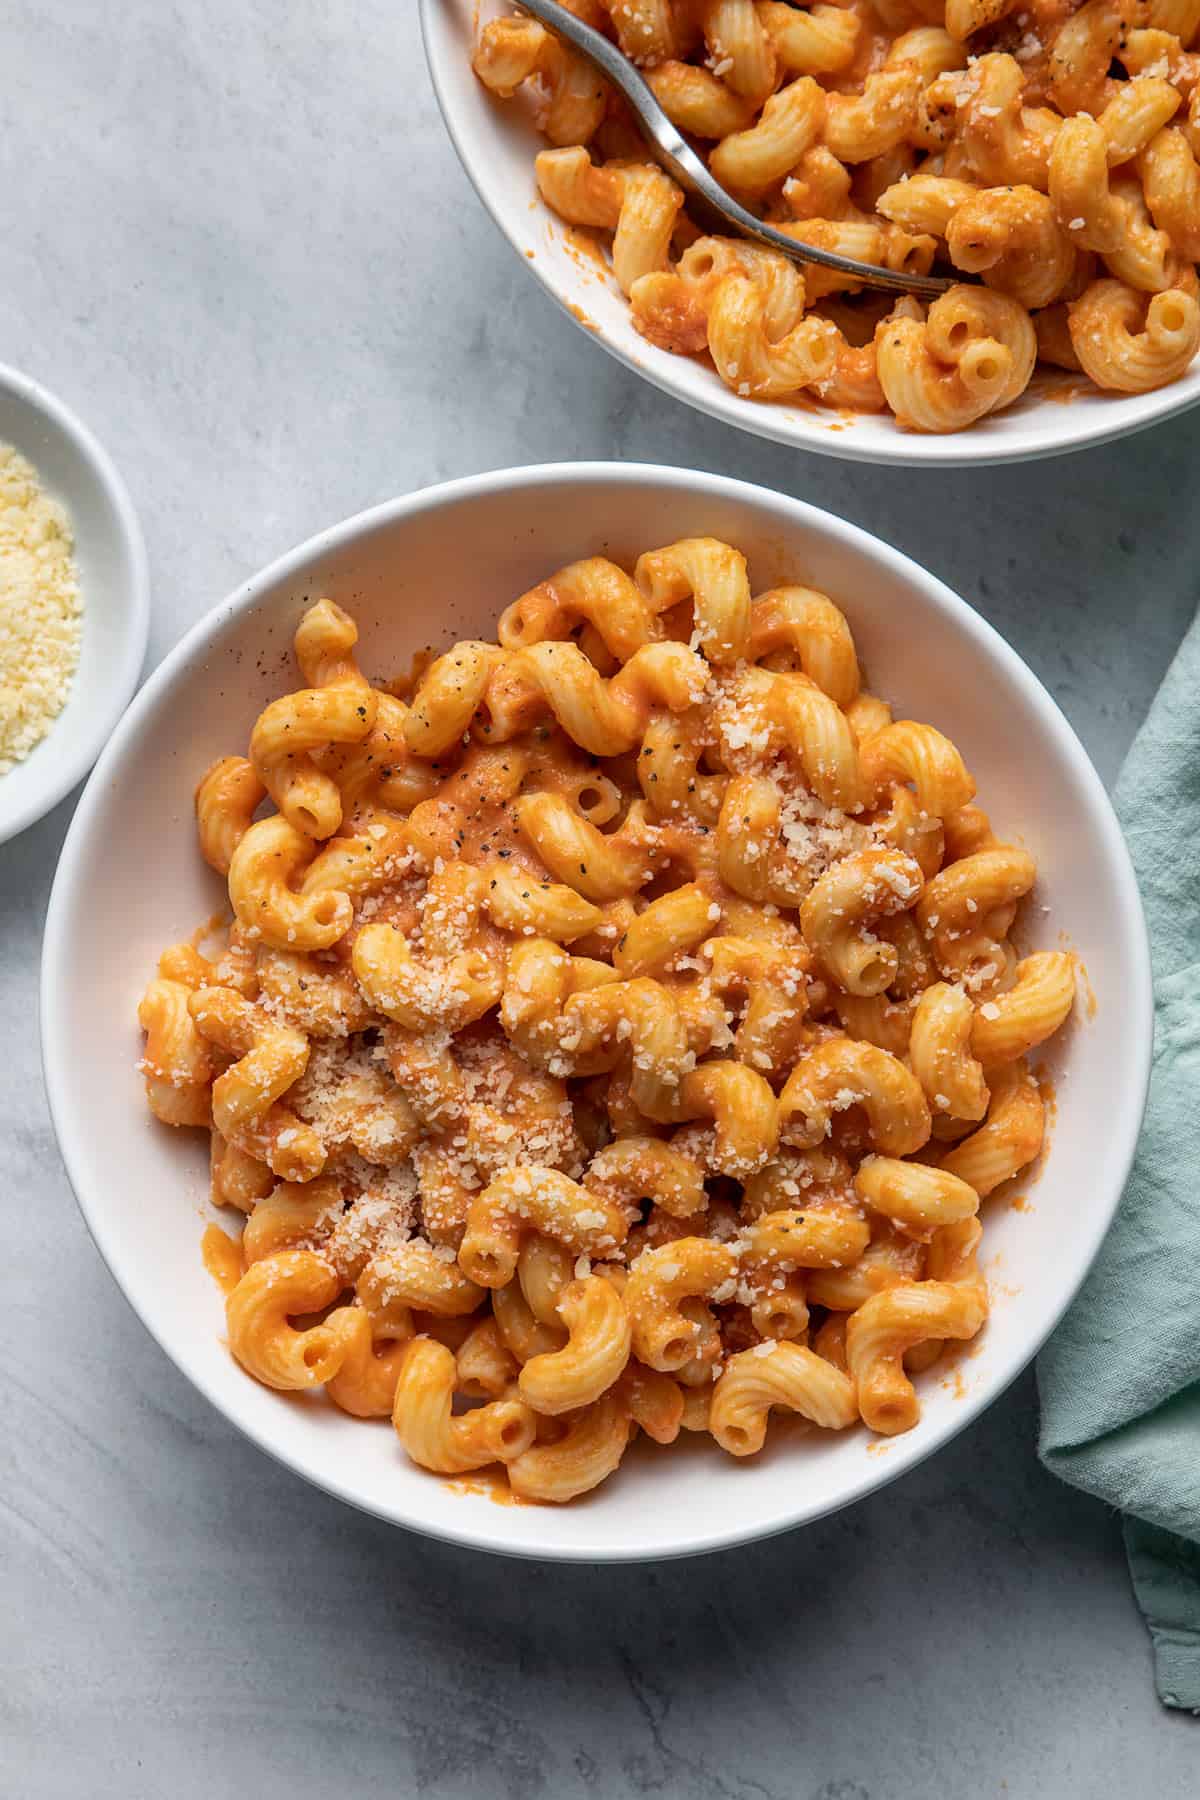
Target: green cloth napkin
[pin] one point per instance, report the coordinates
(1120, 1378)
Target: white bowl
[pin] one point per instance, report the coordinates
(111, 558)
(497, 142)
(441, 564)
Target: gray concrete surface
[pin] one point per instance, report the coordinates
(237, 239)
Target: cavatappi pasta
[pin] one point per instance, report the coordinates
(618, 1027)
(1050, 149)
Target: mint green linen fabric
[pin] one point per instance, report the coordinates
(1120, 1378)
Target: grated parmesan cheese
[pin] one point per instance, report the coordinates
(40, 609)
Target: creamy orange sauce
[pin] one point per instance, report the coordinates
(949, 1370)
(405, 685)
(1061, 390)
(222, 1257)
(878, 1447)
(798, 403)
(1000, 1293)
(1091, 1006)
(585, 249)
(954, 1385)
(488, 1484)
(578, 314)
(1032, 1174)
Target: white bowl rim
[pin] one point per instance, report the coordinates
(950, 450)
(913, 1447)
(64, 772)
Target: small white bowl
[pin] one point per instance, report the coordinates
(114, 582)
(438, 565)
(496, 142)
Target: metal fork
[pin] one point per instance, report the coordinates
(708, 201)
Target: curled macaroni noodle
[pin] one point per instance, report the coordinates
(259, 1314)
(227, 799)
(246, 1099)
(843, 1073)
(575, 97)
(1010, 1137)
(913, 1196)
(656, 1402)
(943, 1054)
(1015, 1022)
(263, 872)
(634, 1053)
(587, 1454)
(841, 907)
(776, 1374)
(290, 731)
(887, 1327)
(595, 1353)
(662, 1284)
(433, 1436)
(177, 1063)
(1128, 342)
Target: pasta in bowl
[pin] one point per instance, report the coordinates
(620, 1036)
(1048, 153)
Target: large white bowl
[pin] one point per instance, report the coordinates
(440, 564)
(113, 579)
(497, 144)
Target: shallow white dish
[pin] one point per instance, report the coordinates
(113, 578)
(497, 142)
(441, 564)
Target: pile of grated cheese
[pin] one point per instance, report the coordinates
(41, 611)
